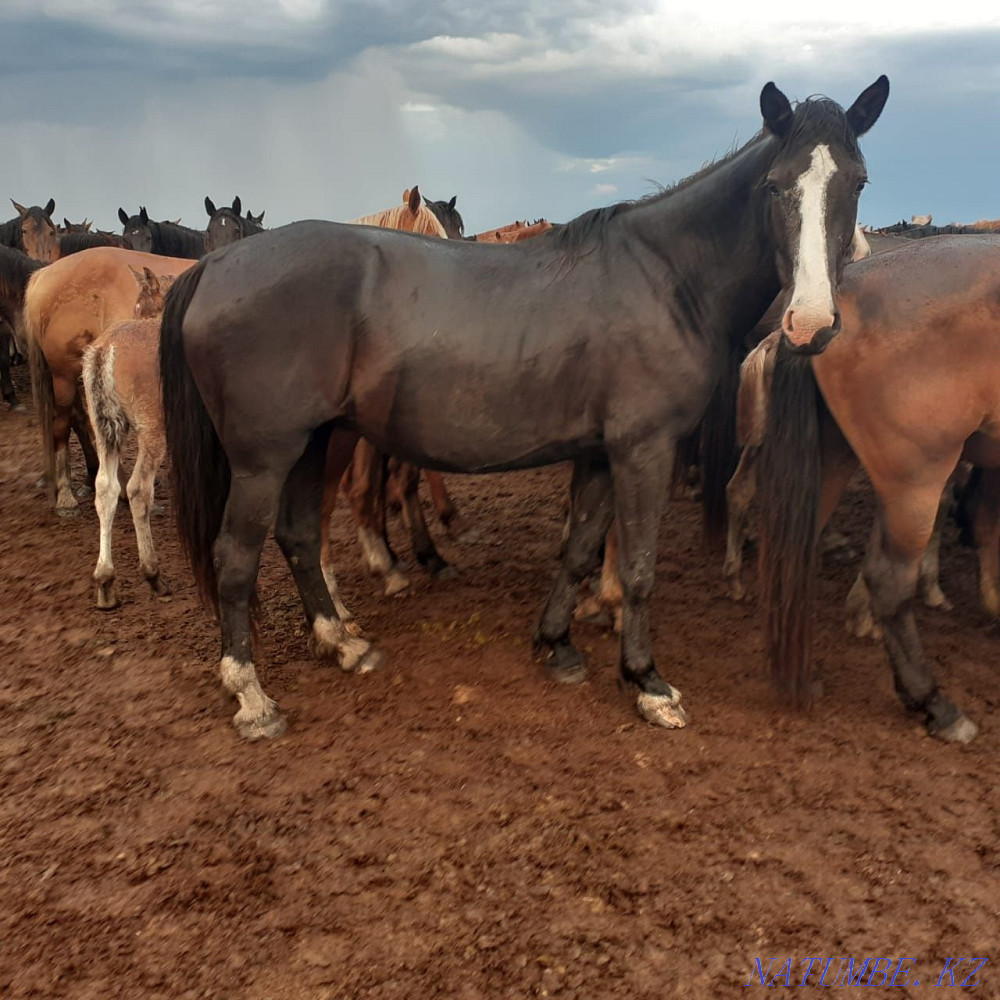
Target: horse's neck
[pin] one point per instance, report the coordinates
(714, 239)
(174, 239)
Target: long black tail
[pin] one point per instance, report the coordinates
(789, 468)
(199, 468)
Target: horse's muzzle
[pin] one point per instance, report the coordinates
(820, 339)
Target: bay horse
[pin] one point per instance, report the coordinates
(65, 306)
(167, 239)
(601, 345)
(912, 386)
(122, 390)
(32, 232)
(449, 217)
(226, 225)
(514, 232)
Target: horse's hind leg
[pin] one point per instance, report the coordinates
(141, 484)
(892, 564)
(81, 426)
(591, 512)
(454, 523)
(986, 532)
(406, 481)
(609, 594)
(929, 580)
(250, 511)
(106, 502)
(64, 393)
(339, 454)
(641, 476)
(6, 383)
(740, 491)
(297, 531)
(366, 494)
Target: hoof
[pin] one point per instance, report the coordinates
(351, 627)
(962, 730)
(737, 592)
(565, 665)
(374, 659)
(662, 709)
(107, 599)
(17, 408)
(158, 585)
(936, 598)
(465, 535)
(446, 572)
(68, 511)
(268, 728)
(395, 583)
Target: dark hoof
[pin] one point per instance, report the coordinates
(962, 730)
(17, 407)
(565, 665)
(107, 599)
(158, 585)
(446, 572)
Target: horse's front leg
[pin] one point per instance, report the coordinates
(591, 512)
(641, 476)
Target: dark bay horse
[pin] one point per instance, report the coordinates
(226, 225)
(166, 239)
(448, 216)
(32, 232)
(910, 386)
(600, 343)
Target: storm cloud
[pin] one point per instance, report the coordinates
(523, 108)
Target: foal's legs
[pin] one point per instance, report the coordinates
(149, 458)
(454, 523)
(297, 532)
(641, 476)
(106, 501)
(81, 427)
(891, 567)
(609, 594)
(591, 513)
(64, 392)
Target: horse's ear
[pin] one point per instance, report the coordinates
(50, 207)
(151, 280)
(122, 217)
(209, 205)
(260, 218)
(66, 222)
(143, 215)
(21, 210)
(864, 112)
(413, 202)
(87, 223)
(237, 205)
(136, 274)
(777, 111)
(451, 204)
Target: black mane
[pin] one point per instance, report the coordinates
(173, 240)
(816, 118)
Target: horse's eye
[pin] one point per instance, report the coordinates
(861, 186)
(773, 190)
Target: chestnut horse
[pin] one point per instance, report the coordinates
(122, 390)
(66, 306)
(601, 345)
(911, 386)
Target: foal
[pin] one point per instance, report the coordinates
(122, 387)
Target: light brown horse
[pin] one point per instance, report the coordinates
(513, 233)
(367, 478)
(912, 384)
(67, 305)
(121, 383)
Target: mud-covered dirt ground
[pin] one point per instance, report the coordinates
(456, 826)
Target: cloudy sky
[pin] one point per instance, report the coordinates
(523, 108)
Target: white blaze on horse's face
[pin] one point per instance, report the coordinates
(812, 307)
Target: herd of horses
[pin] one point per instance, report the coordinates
(738, 319)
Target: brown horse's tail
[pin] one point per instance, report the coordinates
(199, 468)
(43, 395)
(788, 489)
(719, 450)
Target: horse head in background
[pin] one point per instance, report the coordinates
(32, 232)
(227, 225)
(410, 217)
(168, 239)
(448, 216)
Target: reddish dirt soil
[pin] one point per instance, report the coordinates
(456, 826)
